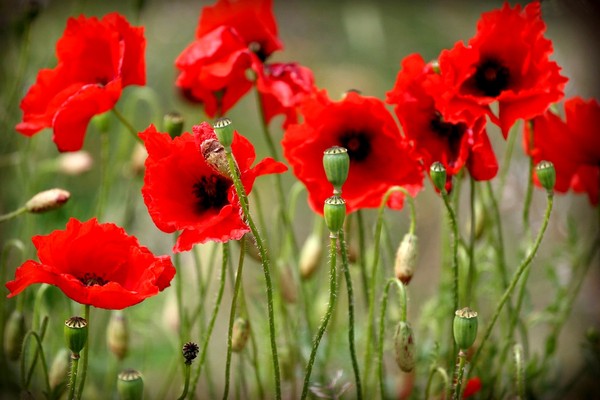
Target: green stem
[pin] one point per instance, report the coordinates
(86, 353)
(6, 250)
(104, 185)
(362, 259)
(241, 193)
(471, 248)
(13, 214)
(512, 138)
(186, 387)
(39, 351)
(183, 329)
(73, 376)
(327, 316)
(42, 333)
(460, 370)
(519, 371)
(127, 124)
(444, 375)
(455, 239)
(529, 192)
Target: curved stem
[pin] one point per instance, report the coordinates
(86, 353)
(186, 387)
(13, 214)
(327, 316)
(442, 372)
(39, 351)
(460, 370)
(42, 333)
(127, 124)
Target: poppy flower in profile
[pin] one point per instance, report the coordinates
(453, 144)
(96, 60)
(379, 156)
(183, 192)
(507, 61)
(95, 264)
(282, 87)
(573, 146)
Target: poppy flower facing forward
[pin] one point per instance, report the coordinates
(507, 61)
(182, 191)
(95, 264)
(572, 145)
(96, 60)
(454, 145)
(379, 156)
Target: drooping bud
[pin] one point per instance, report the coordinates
(14, 334)
(310, 256)
(47, 200)
(173, 124)
(190, 352)
(59, 370)
(437, 172)
(335, 213)
(546, 174)
(465, 327)
(117, 334)
(224, 131)
(406, 258)
(130, 385)
(214, 154)
(404, 345)
(76, 334)
(75, 163)
(240, 334)
(336, 163)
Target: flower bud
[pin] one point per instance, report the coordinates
(406, 258)
(214, 155)
(336, 163)
(546, 174)
(47, 200)
(404, 345)
(14, 334)
(335, 213)
(465, 327)
(76, 334)
(437, 172)
(75, 163)
(137, 162)
(130, 385)
(59, 370)
(310, 256)
(117, 334)
(173, 124)
(190, 352)
(240, 334)
(224, 131)
(287, 285)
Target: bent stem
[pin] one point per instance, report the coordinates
(13, 214)
(444, 375)
(460, 369)
(39, 350)
(186, 386)
(127, 124)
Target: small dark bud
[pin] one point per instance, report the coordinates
(224, 131)
(465, 327)
(546, 174)
(14, 334)
(404, 345)
(76, 334)
(437, 172)
(173, 124)
(336, 163)
(130, 385)
(190, 352)
(335, 213)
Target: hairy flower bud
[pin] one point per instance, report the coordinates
(47, 200)
(130, 385)
(173, 124)
(59, 370)
(310, 256)
(335, 213)
(240, 334)
(406, 258)
(404, 345)
(76, 334)
(465, 327)
(336, 163)
(546, 174)
(117, 334)
(437, 172)
(14, 334)
(224, 131)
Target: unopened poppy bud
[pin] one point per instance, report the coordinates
(76, 334)
(47, 200)
(117, 335)
(130, 385)
(287, 285)
(310, 256)
(173, 124)
(224, 131)
(465, 327)
(59, 370)
(137, 162)
(336, 163)
(14, 334)
(190, 352)
(240, 334)
(406, 258)
(437, 172)
(546, 174)
(214, 155)
(102, 122)
(404, 345)
(335, 213)
(75, 163)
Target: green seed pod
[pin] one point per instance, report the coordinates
(14, 334)
(76, 334)
(406, 258)
(130, 385)
(224, 130)
(335, 213)
(117, 334)
(546, 174)
(465, 327)
(336, 163)
(240, 334)
(437, 172)
(173, 124)
(405, 347)
(310, 256)
(59, 370)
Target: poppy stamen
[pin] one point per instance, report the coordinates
(357, 144)
(211, 192)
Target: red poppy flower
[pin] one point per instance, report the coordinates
(253, 20)
(507, 61)
(282, 87)
(213, 70)
(379, 156)
(96, 59)
(183, 192)
(454, 145)
(472, 387)
(572, 145)
(95, 264)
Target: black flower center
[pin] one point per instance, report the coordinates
(452, 133)
(211, 192)
(258, 49)
(491, 77)
(91, 279)
(358, 145)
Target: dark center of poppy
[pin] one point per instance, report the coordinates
(91, 279)
(491, 77)
(357, 144)
(211, 192)
(452, 133)
(258, 49)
